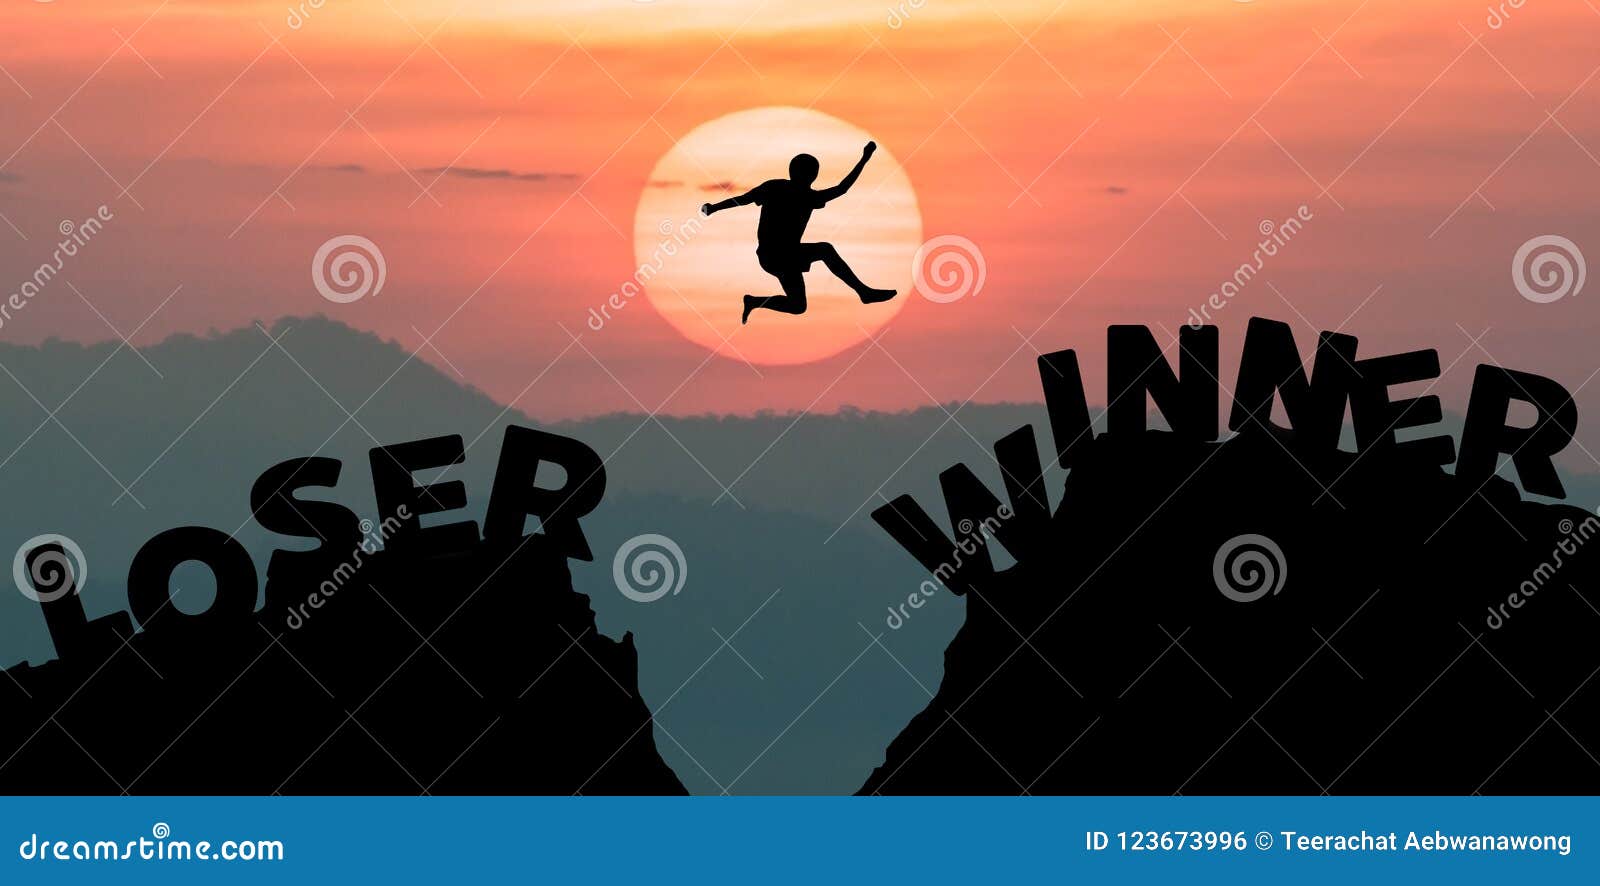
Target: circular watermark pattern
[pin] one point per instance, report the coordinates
(1249, 567)
(1548, 268)
(348, 268)
(948, 268)
(52, 574)
(161, 831)
(648, 567)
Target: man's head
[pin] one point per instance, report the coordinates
(803, 169)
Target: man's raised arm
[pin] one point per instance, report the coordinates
(744, 199)
(839, 189)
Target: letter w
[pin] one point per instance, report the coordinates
(972, 506)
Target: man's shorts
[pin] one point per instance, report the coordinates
(799, 257)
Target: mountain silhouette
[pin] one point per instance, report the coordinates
(476, 672)
(804, 484)
(1388, 628)
(797, 495)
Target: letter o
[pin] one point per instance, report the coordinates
(150, 578)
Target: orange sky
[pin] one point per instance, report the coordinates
(1112, 162)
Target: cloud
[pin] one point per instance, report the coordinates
(503, 174)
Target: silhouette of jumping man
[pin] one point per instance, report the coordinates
(786, 206)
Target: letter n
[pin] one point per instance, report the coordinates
(1136, 367)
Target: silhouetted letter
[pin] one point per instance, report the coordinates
(911, 527)
(1376, 418)
(150, 576)
(1135, 366)
(977, 516)
(1486, 433)
(56, 588)
(1023, 529)
(277, 510)
(515, 496)
(1270, 366)
(393, 486)
(1068, 405)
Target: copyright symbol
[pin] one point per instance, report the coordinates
(1263, 841)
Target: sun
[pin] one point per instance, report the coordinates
(696, 270)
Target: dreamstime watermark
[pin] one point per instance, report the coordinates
(648, 567)
(1499, 15)
(972, 538)
(47, 576)
(156, 847)
(948, 268)
(1249, 567)
(1274, 236)
(1573, 537)
(1548, 268)
(299, 15)
(673, 236)
(348, 268)
(75, 235)
(901, 13)
(372, 541)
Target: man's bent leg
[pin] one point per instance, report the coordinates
(829, 256)
(793, 300)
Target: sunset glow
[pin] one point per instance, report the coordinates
(1112, 162)
(699, 267)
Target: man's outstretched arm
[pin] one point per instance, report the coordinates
(839, 189)
(744, 199)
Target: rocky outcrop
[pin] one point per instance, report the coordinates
(479, 672)
(1260, 616)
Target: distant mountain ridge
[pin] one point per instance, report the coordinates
(795, 560)
(230, 405)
